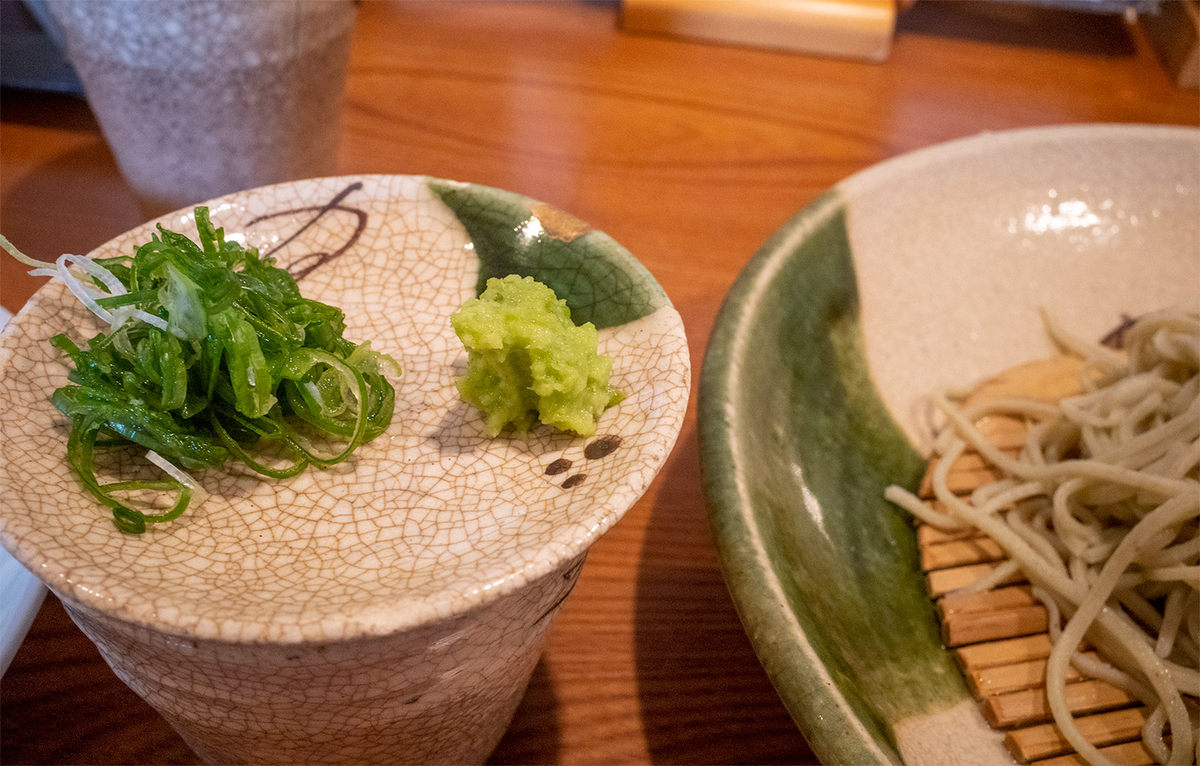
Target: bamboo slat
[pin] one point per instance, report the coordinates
(1126, 753)
(962, 628)
(1027, 706)
(942, 581)
(1000, 598)
(967, 473)
(1045, 740)
(957, 553)
(1000, 636)
(995, 653)
(987, 682)
(930, 535)
(1007, 433)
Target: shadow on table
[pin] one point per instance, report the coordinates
(704, 697)
(1020, 24)
(533, 737)
(81, 713)
(64, 111)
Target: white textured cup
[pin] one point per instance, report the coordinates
(201, 98)
(441, 693)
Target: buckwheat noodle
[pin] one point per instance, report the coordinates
(1101, 513)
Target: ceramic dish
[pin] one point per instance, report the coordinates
(393, 606)
(429, 520)
(924, 271)
(20, 592)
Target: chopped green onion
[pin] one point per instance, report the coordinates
(213, 356)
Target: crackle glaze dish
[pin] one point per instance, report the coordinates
(925, 271)
(21, 593)
(390, 609)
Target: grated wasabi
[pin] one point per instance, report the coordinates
(528, 362)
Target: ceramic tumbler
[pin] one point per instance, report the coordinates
(199, 98)
(439, 693)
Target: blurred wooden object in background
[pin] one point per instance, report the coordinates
(1175, 34)
(851, 28)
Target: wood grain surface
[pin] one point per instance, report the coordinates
(690, 155)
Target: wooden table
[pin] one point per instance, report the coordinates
(690, 154)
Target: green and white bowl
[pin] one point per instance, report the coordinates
(924, 271)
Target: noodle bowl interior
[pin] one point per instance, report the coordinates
(1100, 512)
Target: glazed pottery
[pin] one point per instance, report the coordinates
(926, 271)
(392, 608)
(202, 98)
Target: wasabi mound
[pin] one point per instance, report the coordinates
(528, 362)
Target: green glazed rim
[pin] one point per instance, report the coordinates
(798, 442)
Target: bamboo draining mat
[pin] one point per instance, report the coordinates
(999, 637)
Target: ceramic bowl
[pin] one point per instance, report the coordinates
(390, 608)
(925, 271)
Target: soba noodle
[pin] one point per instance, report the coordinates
(1101, 513)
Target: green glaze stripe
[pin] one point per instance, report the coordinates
(599, 279)
(797, 449)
